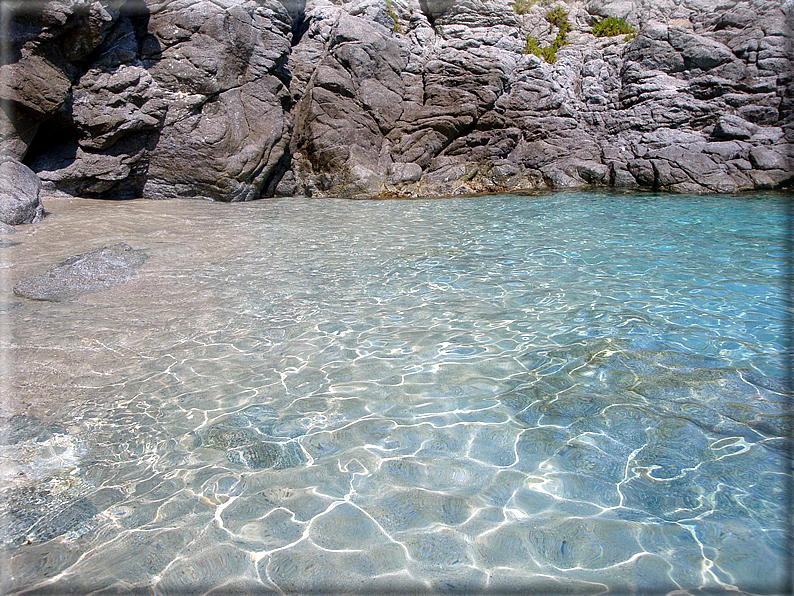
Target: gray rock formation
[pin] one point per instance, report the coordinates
(19, 194)
(237, 99)
(179, 98)
(93, 271)
(681, 107)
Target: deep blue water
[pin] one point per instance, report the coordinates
(561, 393)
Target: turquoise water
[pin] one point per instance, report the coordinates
(569, 393)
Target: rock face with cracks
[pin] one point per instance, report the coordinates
(177, 98)
(240, 99)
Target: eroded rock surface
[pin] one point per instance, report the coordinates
(684, 106)
(239, 99)
(93, 271)
(179, 98)
(20, 191)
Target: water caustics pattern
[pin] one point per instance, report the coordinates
(572, 393)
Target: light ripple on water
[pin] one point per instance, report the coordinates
(564, 394)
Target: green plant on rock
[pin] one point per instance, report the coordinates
(610, 26)
(557, 17)
(532, 46)
(523, 6)
(393, 15)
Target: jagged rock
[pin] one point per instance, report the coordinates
(48, 43)
(734, 127)
(19, 194)
(698, 51)
(183, 98)
(767, 158)
(239, 99)
(93, 271)
(227, 138)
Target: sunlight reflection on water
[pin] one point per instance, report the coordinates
(558, 393)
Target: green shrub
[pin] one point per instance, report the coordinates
(558, 17)
(532, 46)
(610, 26)
(393, 15)
(523, 6)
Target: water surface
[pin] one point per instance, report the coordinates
(565, 393)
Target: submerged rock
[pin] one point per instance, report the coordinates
(256, 438)
(43, 494)
(21, 427)
(37, 513)
(93, 271)
(268, 454)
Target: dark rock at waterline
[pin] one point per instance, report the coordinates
(446, 102)
(81, 274)
(20, 191)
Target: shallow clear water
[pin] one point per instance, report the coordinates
(564, 393)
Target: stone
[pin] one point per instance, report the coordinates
(767, 158)
(35, 84)
(20, 191)
(254, 438)
(404, 172)
(93, 271)
(618, 9)
(268, 454)
(643, 172)
(699, 51)
(727, 150)
(734, 127)
(771, 179)
(33, 514)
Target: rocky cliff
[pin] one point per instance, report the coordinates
(238, 99)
